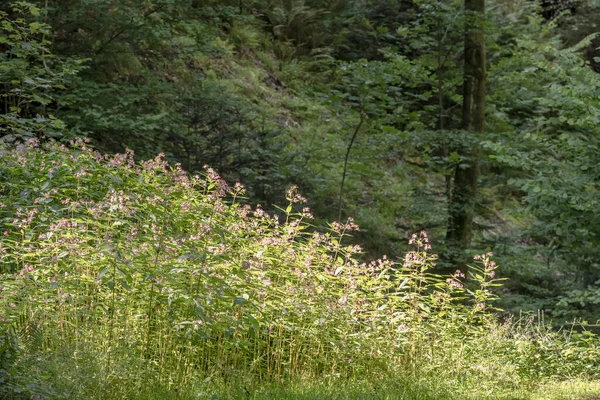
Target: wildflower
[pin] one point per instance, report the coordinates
(413, 239)
(26, 269)
(294, 197)
(413, 260)
(337, 227)
(213, 177)
(351, 226)
(489, 265)
(454, 283)
(238, 189)
(306, 213)
(421, 240)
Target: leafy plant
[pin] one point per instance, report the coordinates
(141, 273)
(30, 76)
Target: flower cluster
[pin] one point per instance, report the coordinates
(489, 266)
(156, 247)
(421, 240)
(293, 196)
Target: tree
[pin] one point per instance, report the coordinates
(547, 96)
(461, 209)
(31, 76)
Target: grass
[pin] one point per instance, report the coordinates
(136, 281)
(86, 381)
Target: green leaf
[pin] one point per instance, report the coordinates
(103, 272)
(239, 301)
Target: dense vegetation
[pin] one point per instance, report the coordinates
(138, 281)
(449, 125)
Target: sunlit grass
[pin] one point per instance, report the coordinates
(137, 281)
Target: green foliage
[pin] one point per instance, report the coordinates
(547, 97)
(180, 78)
(271, 93)
(140, 273)
(30, 76)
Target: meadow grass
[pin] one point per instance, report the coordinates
(125, 280)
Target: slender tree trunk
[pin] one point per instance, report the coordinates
(340, 198)
(441, 110)
(461, 210)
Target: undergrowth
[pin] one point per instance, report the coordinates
(137, 281)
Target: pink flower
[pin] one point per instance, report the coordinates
(351, 226)
(306, 213)
(337, 227)
(294, 197)
(453, 283)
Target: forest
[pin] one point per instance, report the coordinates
(299, 199)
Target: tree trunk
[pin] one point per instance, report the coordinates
(340, 199)
(461, 209)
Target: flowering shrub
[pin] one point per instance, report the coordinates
(143, 262)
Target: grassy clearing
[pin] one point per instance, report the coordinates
(136, 281)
